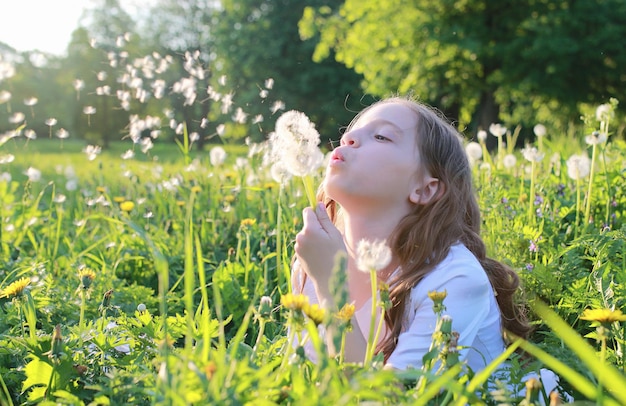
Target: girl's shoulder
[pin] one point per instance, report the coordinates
(459, 270)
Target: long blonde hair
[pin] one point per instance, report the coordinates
(423, 238)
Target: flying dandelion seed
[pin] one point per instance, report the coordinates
(89, 111)
(79, 84)
(17, 117)
(30, 103)
(51, 122)
(92, 151)
(129, 154)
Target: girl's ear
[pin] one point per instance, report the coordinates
(430, 190)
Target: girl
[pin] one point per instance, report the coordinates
(401, 175)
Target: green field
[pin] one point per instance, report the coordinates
(144, 278)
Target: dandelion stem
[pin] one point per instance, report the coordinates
(81, 320)
(531, 195)
(369, 352)
(309, 189)
(589, 188)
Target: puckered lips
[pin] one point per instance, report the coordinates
(336, 156)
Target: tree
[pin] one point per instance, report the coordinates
(473, 58)
(259, 39)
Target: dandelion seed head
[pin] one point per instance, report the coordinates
(509, 161)
(17, 117)
(596, 138)
(539, 130)
(604, 112)
(372, 255)
(217, 156)
(34, 175)
(51, 122)
(532, 154)
(498, 130)
(62, 133)
(578, 166)
(474, 151)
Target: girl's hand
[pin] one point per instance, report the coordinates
(317, 244)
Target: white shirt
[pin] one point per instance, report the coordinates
(470, 302)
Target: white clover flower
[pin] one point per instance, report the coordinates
(604, 112)
(540, 130)
(34, 175)
(217, 156)
(474, 151)
(532, 154)
(596, 138)
(509, 161)
(497, 130)
(578, 166)
(372, 255)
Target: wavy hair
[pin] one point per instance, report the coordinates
(423, 238)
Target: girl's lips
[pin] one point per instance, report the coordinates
(336, 155)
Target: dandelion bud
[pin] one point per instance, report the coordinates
(106, 301)
(445, 324)
(86, 276)
(533, 386)
(265, 306)
(56, 349)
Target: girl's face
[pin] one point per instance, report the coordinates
(378, 163)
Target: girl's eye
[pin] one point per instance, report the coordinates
(381, 137)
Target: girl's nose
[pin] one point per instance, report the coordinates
(350, 139)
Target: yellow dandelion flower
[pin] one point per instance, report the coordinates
(127, 206)
(196, 189)
(315, 313)
(269, 185)
(16, 289)
(248, 222)
(86, 276)
(346, 312)
(437, 296)
(294, 302)
(119, 199)
(604, 316)
(180, 203)
(101, 189)
(229, 198)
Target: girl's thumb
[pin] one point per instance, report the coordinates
(322, 217)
